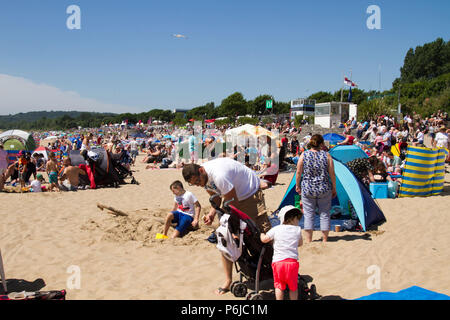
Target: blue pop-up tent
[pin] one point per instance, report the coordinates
(347, 153)
(348, 188)
(411, 293)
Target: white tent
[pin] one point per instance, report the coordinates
(42, 150)
(250, 130)
(17, 140)
(242, 130)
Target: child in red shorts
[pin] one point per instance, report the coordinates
(287, 237)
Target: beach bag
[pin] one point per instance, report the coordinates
(230, 247)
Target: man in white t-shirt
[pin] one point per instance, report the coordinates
(233, 182)
(441, 139)
(185, 212)
(134, 151)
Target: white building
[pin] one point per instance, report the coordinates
(302, 107)
(332, 114)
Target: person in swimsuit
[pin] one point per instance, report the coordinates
(52, 171)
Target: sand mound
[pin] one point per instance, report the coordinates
(142, 226)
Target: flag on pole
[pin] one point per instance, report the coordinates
(349, 83)
(350, 96)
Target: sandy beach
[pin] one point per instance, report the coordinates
(45, 238)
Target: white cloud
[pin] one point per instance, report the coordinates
(23, 95)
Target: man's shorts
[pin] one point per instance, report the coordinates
(66, 186)
(285, 272)
(134, 153)
(255, 208)
(182, 220)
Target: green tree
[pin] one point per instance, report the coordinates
(425, 62)
(233, 105)
(257, 106)
(358, 95)
(322, 96)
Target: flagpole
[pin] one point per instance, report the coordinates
(342, 88)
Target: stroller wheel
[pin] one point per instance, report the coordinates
(313, 292)
(239, 289)
(254, 296)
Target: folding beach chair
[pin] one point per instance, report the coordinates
(2, 273)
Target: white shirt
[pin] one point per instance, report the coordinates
(441, 140)
(388, 136)
(420, 136)
(133, 145)
(224, 174)
(36, 186)
(186, 203)
(286, 238)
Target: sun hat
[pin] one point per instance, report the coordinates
(39, 177)
(285, 210)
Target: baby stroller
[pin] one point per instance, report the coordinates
(238, 238)
(122, 171)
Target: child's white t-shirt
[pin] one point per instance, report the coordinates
(186, 203)
(285, 244)
(36, 186)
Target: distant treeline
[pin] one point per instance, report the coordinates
(423, 87)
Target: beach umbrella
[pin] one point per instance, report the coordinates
(333, 137)
(250, 130)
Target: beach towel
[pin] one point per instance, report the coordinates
(423, 173)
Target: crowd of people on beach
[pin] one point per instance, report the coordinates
(238, 174)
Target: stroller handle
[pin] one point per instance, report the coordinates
(212, 201)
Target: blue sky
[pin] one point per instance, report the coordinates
(125, 57)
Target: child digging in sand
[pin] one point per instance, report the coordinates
(185, 213)
(287, 238)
